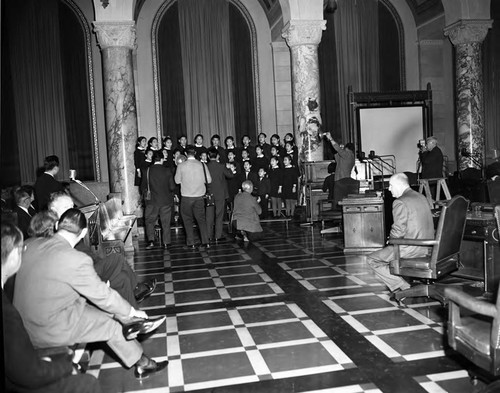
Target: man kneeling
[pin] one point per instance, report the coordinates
(62, 300)
(246, 213)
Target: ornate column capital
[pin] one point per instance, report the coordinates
(467, 31)
(303, 32)
(115, 34)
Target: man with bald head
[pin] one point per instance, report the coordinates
(412, 220)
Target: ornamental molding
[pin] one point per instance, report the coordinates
(115, 34)
(431, 43)
(468, 31)
(303, 32)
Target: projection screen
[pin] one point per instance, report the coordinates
(392, 131)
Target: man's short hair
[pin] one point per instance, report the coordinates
(157, 157)
(431, 139)
(216, 136)
(401, 178)
(42, 224)
(213, 153)
(12, 237)
(246, 185)
(190, 151)
(55, 198)
(350, 146)
(72, 221)
(50, 162)
(19, 195)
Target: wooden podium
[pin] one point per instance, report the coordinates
(364, 222)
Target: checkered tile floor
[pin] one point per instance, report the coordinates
(290, 313)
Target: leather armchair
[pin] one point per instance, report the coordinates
(474, 331)
(444, 257)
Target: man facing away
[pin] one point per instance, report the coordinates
(46, 183)
(344, 158)
(113, 268)
(412, 220)
(63, 302)
(24, 370)
(219, 174)
(191, 176)
(160, 181)
(246, 213)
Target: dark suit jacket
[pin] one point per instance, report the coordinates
(432, 163)
(23, 220)
(219, 174)
(162, 186)
(24, 370)
(253, 177)
(44, 186)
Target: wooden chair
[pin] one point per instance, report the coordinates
(474, 331)
(444, 257)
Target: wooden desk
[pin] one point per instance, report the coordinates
(480, 251)
(364, 228)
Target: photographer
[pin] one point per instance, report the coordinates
(431, 159)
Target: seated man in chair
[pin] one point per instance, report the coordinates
(412, 220)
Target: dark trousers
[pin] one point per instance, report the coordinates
(215, 216)
(115, 269)
(264, 205)
(152, 213)
(193, 208)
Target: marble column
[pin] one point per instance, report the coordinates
(303, 37)
(467, 36)
(117, 40)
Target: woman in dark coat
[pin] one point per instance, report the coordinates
(139, 157)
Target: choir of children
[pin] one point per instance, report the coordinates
(272, 168)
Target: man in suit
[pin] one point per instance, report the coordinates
(46, 183)
(191, 176)
(63, 302)
(431, 159)
(160, 182)
(246, 213)
(24, 370)
(23, 209)
(219, 173)
(412, 220)
(113, 268)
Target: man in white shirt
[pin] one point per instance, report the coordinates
(191, 176)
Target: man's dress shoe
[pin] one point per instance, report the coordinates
(147, 289)
(141, 326)
(142, 372)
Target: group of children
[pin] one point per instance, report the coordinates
(272, 168)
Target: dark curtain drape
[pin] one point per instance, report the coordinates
(76, 94)
(206, 64)
(328, 78)
(38, 84)
(170, 72)
(10, 163)
(356, 31)
(242, 78)
(388, 49)
(491, 77)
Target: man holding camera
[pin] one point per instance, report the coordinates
(431, 159)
